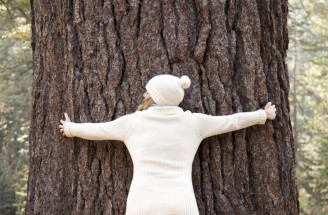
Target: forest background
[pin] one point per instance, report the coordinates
(308, 73)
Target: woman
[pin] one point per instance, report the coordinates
(162, 140)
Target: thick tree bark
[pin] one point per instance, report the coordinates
(93, 59)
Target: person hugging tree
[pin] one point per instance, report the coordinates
(162, 140)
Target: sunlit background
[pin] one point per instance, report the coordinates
(308, 71)
(308, 68)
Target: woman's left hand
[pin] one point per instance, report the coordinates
(270, 111)
(67, 119)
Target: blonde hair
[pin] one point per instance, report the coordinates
(145, 104)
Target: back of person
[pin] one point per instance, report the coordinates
(164, 136)
(162, 143)
(162, 140)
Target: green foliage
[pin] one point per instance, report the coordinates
(15, 93)
(7, 196)
(308, 63)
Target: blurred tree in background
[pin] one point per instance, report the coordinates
(308, 67)
(15, 93)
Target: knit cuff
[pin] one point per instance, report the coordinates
(67, 129)
(262, 116)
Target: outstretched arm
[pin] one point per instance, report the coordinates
(113, 130)
(214, 125)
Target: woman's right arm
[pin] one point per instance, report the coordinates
(214, 125)
(113, 130)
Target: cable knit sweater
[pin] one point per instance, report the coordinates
(162, 142)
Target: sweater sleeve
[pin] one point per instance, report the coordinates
(113, 130)
(213, 125)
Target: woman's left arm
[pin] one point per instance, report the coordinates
(113, 130)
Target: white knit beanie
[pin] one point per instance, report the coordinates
(167, 89)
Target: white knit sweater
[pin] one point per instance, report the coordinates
(162, 142)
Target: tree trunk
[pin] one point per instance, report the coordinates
(92, 59)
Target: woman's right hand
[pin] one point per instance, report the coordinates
(67, 119)
(270, 111)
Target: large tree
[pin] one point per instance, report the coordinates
(93, 59)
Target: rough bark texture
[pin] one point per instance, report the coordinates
(93, 59)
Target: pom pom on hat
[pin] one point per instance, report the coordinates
(167, 89)
(185, 82)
